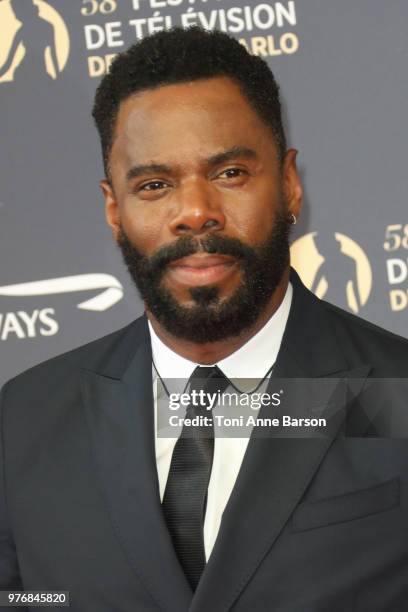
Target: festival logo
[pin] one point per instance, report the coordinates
(34, 41)
(319, 258)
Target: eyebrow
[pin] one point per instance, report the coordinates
(213, 160)
(230, 154)
(142, 169)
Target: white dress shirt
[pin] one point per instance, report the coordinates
(252, 360)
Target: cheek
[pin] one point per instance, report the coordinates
(142, 225)
(251, 216)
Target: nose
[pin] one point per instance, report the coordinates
(198, 211)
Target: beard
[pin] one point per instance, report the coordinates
(211, 318)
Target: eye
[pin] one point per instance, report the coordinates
(232, 173)
(153, 186)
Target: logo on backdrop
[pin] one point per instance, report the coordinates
(335, 267)
(111, 294)
(42, 322)
(34, 41)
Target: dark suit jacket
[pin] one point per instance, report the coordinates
(312, 525)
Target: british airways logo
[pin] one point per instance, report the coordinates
(111, 294)
(41, 322)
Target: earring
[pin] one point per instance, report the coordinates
(292, 219)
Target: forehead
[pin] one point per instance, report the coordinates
(187, 119)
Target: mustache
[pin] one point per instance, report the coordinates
(187, 245)
(213, 244)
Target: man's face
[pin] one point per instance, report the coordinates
(199, 205)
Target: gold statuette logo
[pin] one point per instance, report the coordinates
(319, 257)
(34, 41)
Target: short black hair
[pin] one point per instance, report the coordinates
(179, 56)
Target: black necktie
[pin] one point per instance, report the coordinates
(185, 496)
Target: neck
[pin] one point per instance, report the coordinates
(212, 352)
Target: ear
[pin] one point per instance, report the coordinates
(111, 208)
(292, 187)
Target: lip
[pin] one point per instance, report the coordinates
(201, 269)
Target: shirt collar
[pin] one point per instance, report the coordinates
(252, 360)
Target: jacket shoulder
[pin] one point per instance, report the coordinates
(349, 320)
(88, 356)
(379, 345)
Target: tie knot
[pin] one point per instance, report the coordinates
(209, 379)
(204, 372)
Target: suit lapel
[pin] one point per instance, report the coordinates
(276, 471)
(119, 413)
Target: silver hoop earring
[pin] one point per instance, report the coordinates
(293, 219)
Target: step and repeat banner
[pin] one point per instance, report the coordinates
(343, 71)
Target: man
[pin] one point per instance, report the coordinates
(200, 193)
